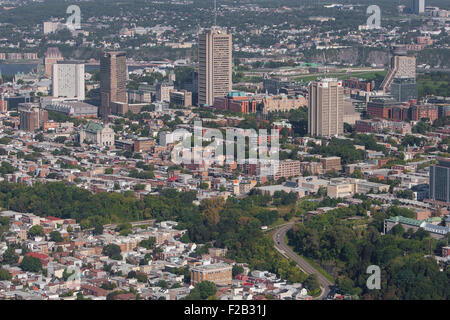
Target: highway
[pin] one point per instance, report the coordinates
(282, 247)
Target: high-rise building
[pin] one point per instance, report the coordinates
(52, 56)
(113, 81)
(215, 65)
(326, 108)
(418, 6)
(402, 66)
(31, 117)
(3, 105)
(404, 89)
(440, 180)
(163, 91)
(68, 80)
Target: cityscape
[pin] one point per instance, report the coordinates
(230, 150)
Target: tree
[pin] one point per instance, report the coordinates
(357, 174)
(67, 274)
(31, 264)
(39, 137)
(108, 285)
(237, 270)
(194, 295)
(9, 257)
(346, 285)
(210, 209)
(56, 236)
(148, 244)
(4, 275)
(98, 229)
(398, 230)
(203, 186)
(112, 251)
(36, 230)
(60, 139)
(141, 277)
(312, 283)
(162, 284)
(108, 171)
(207, 289)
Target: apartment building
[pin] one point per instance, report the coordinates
(287, 168)
(331, 164)
(219, 273)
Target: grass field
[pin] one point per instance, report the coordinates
(435, 83)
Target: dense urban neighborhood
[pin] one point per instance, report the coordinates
(228, 150)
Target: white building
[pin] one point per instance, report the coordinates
(68, 80)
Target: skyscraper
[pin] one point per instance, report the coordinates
(402, 66)
(440, 180)
(113, 81)
(326, 108)
(215, 65)
(68, 80)
(418, 6)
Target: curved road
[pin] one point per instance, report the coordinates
(282, 247)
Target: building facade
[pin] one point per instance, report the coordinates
(219, 273)
(418, 6)
(326, 108)
(288, 168)
(52, 56)
(402, 66)
(32, 118)
(215, 65)
(404, 89)
(68, 80)
(331, 164)
(96, 133)
(181, 98)
(440, 181)
(113, 81)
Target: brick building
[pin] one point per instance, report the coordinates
(331, 164)
(288, 168)
(219, 273)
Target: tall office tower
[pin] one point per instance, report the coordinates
(418, 6)
(440, 180)
(215, 65)
(326, 108)
(402, 66)
(68, 80)
(113, 81)
(52, 56)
